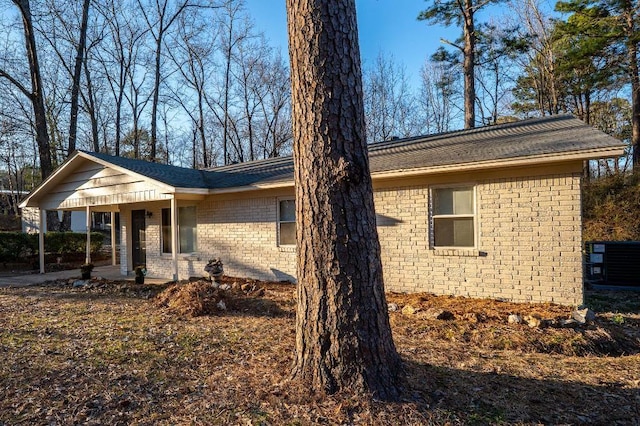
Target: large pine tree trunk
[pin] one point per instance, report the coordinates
(343, 336)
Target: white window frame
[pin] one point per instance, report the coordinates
(278, 221)
(433, 216)
(195, 243)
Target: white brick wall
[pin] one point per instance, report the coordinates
(240, 232)
(529, 241)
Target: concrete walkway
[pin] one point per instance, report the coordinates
(107, 272)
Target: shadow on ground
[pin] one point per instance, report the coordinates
(490, 398)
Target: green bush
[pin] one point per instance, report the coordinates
(71, 242)
(14, 246)
(18, 245)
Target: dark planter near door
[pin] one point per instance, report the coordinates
(85, 271)
(140, 272)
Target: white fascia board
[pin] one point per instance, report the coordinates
(509, 162)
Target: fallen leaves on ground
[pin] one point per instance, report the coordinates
(120, 353)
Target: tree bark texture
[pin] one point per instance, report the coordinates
(343, 335)
(468, 65)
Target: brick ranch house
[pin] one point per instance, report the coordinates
(489, 212)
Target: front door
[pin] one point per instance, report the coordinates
(138, 241)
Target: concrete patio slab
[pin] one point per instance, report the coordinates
(107, 272)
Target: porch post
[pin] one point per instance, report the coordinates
(113, 238)
(88, 257)
(42, 229)
(174, 237)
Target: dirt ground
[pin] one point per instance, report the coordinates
(119, 353)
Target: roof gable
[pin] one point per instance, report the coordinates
(88, 179)
(174, 176)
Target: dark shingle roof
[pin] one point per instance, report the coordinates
(557, 134)
(179, 177)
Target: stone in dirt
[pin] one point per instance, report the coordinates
(583, 316)
(225, 287)
(392, 307)
(533, 321)
(221, 305)
(568, 323)
(409, 310)
(80, 283)
(514, 319)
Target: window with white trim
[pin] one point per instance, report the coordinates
(453, 216)
(187, 230)
(286, 222)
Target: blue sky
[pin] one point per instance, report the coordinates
(387, 26)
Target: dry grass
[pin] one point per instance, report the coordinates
(117, 353)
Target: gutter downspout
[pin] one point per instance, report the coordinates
(113, 239)
(174, 237)
(42, 229)
(88, 256)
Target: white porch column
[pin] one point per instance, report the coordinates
(174, 237)
(88, 257)
(42, 229)
(113, 239)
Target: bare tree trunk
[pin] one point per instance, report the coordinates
(343, 336)
(632, 47)
(227, 88)
(469, 66)
(36, 96)
(77, 73)
(156, 93)
(91, 107)
(164, 22)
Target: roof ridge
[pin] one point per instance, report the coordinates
(461, 132)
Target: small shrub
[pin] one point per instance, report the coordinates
(71, 242)
(14, 246)
(19, 245)
(618, 319)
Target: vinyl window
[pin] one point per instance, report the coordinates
(286, 222)
(187, 230)
(454, 216)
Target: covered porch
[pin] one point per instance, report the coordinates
(93, 182)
